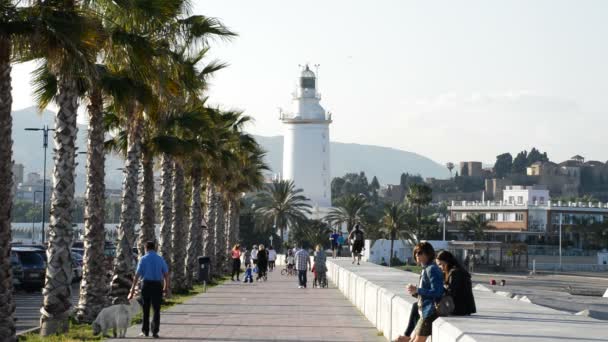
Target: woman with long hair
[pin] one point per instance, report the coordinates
(457, 283)
(262, 262)
(236, 261)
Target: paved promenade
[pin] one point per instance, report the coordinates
(275, 310)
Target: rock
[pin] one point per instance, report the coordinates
(525, 299)
(504, 294)
(483, 288)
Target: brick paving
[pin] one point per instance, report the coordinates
(275, 310)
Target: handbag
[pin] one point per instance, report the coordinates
(445, 306)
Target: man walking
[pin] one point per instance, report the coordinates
(302, 265)
(357, 239)
(152, 270)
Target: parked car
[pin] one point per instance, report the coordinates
(17, 270)
(33, 266)
(77, 265)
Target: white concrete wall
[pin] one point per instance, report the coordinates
(499, 319)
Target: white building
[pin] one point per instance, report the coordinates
(526, 213)
(306, 142)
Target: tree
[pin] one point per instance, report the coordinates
(8, 15)
(348, 210)
(418, 196)
(310, 233)
(64, 41)
(374, 187)
(475, 224)
(520, 163)
(503, 165)
(535, 156)
(395, 225)
(450, 167)
(282, 205)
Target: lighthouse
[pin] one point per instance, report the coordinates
(306, 142)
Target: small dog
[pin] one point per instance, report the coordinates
(116, 317)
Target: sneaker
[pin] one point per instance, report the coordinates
(143, 334)
(300, 287)
(155, 336)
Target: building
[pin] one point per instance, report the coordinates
(306, 142)
(526, 213)
(470, 169)
(494, 188)
(18, 173)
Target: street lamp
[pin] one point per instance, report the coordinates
(45, 144)
(442, 219)
(560, 240)
(34, 216)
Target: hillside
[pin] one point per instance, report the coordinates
(385, 163)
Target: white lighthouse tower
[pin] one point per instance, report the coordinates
(306, 142)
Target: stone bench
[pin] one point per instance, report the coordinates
(379, 293)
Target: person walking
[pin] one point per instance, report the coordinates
(340, 243)
(246, 257)
(320, 265)
(236, 262)
(357, 237)
(152, 270)
(272, 257)
(457, 284)
(333, 238)
(262, 262)
(254, 254)
(302, 259)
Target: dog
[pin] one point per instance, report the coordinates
(116, 317)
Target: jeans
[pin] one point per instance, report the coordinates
(152, 294)
(302, 277)
(236, 268)
(414, 317)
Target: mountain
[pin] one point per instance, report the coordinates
(383, 162)
(27, 148)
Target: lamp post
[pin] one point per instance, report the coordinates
(34, 216)
(45, 144)
(442, 219)
(560, 240)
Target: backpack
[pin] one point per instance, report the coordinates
(358, 235)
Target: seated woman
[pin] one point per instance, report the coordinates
(457, 284)
(428, 292)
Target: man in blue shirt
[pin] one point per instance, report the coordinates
(152, 270)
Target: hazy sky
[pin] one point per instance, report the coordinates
(451, 80)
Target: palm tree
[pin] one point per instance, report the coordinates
(450, 167)
(419, 195)
(65, 39)
(282, 205)
(396, 225)
(7, 305)
(309, 233)
(476, 224)
(348, 210)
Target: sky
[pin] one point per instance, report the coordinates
(450, 80)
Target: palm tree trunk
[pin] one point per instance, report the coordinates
(236, 222)
(390, 258)
(123, 262)
(58, 285)
(93, 287)
(220, 237)
(195, 233)
(166, 208)
(7, 304)
(147, 232)
(179, 232)
(209, 237)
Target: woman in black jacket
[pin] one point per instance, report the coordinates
(457, 284)
(262, 263)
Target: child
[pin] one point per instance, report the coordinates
(315, 282)
(248, 274)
